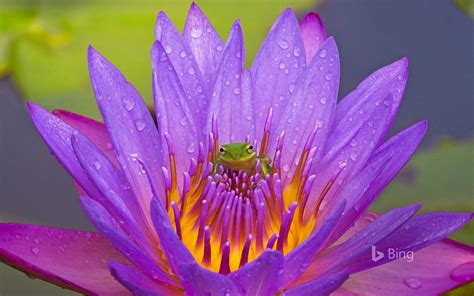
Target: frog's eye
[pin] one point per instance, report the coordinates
(222, 151)
(250, 149)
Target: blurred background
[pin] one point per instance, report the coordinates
(43, 59)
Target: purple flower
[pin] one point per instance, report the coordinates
(173, 220)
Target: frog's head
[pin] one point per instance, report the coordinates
(236, 153)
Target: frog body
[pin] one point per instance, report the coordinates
(240, 157)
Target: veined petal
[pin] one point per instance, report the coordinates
(174, 112)
(138, 283)
(57, 135)
(389, 81)
(199, 281)
(95, 131)
(111, 229)
(298, 260)
(320, 286)
(418, 233)
(313, 34)
(227, 103)
(337, 258)
(204, 42)
(440, 267)
(131, 128)
(260, 277)
(311, 105)
(277, 66)
(75, 260)
(175, 251)
(116, 196)
(185, 66)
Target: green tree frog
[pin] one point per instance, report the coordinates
(240, 156)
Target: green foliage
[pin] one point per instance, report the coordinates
(43, 43)
(466, 6)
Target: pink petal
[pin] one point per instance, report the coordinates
(71, 259)
(313, 34)
(437, 268)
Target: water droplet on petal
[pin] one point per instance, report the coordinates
(191, 71)
(463, 273)
(35, 250)
(412, 283)
(183, 121)
(282, 65)
(219, 47)
(168, 49)
(196, 32)
(96, 164)
(353, 142)
(296, 51)
(283, 44)
(328, 76)
(237, 91)
(140, 124)
(128, 104)
(182, 54)
(323, 100)
(191, 148)
(323, 53)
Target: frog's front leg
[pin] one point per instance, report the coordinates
(265, 164)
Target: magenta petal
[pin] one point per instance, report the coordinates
(438, 268)
(175, 251)
(57, 135)
(261, 276)
(204, 42)
(418, 233)
(337, 258)
(138, 283)
(95, 131)
(76, 260)
(277, 67)
(198, 281)
(311, 106)
(174, 112)
(320, 286)
(227, 104)
(313, 34)
(185, 65)
(110, 228)
(131, 128)
(297, 260)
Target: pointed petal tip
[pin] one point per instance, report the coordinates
(312, 17)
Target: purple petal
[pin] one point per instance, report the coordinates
(198, 281)
(110, 228)
(175, 251)
(116, 197)
(311, 105)
(174, 112)
(387, 82)
(131, 128)
(95, 131)
(186, 67)
(75, 260)
(320, 286)
(204, 42)
(343, 254)
(227, 103)
(138, 283)
(57, 135)
(260, 277)
(313, 34)
(298, 259)
(418, 233)
(277, 67)
(382, 166)
(438, 268)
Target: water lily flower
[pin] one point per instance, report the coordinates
(285, 213)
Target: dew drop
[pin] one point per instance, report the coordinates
(412, 283)
(353, 142)
(96, 164)
(323, 100)
(219, 47)
(323, 53)
(237, 91)
(128, 104)
(296, 51)
(168, 49)
(182, 54)
(282, 66)
(286, 168)
(191, 148)
(196, 32)
(191, 71)
(386, 102)
(463, 273)
(342, 164)
(140, 124)
(183, 121)
(35, 250)
(283, 44)
(328, 77)
(249, 117)
(353, 156)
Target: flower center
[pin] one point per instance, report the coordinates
(227, 218)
